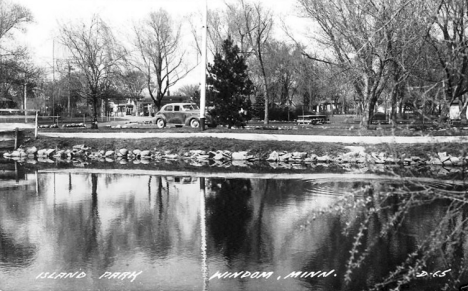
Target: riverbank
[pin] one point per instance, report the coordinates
(187, 143)
(254, 147)
(218, 165)
(226, 150)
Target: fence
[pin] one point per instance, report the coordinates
(12, 119)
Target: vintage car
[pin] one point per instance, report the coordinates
(180, 114)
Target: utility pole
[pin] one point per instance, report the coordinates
(25, 100)
(203, 64)
(69, 71)
(53, 80)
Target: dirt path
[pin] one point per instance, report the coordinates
(271, 137)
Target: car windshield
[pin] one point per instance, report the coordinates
(190, 106)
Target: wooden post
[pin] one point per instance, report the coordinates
(16, 139)
(37, 125)
(37, 183)
(25, 109)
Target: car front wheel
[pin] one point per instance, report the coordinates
(194, 123)
(160, 123)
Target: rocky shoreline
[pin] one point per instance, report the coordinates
(355, 155)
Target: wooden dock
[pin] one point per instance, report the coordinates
(11, 129)
(10, 139)
(12, 175)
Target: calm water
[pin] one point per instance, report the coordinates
(105, 231)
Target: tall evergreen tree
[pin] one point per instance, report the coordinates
(231, 86)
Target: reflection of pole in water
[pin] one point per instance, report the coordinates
(149, 189)
(69, 182)
(94, 180)
(94, 205)
(54, 189)
(159, 199)
(92, 241)
(167, 193)
(203, 233)
(37, 182)
(16, 173)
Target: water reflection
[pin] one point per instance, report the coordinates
(180, 231)
(228, 215)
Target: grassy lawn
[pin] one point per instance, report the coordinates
(340, 125)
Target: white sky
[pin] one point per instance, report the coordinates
(119, 14)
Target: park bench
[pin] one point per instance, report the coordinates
(312, 119)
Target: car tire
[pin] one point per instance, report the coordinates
(160, 123)
(195, 123)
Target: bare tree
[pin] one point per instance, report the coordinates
(252, 25)
(191, 90)
(67, 90)
(249, 25)
(222, 24)
(218, 30)
(447, 36)
(97, 54)
(14, 69)
(358, 33)
(12, 17)
(281, 68)
(159, 55)
(307, 82)
(131, 84)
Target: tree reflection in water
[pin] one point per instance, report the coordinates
(16, 250)
(386, 239)
(91, 232)
(375, 235)
(78, 230)
(378, 236)
(228, 214)
(15, 254)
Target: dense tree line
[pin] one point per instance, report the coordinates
(360, 55)
(396, 51)
(16, 72)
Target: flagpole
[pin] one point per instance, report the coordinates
(203, 64)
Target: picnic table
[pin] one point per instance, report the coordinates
(312, 119)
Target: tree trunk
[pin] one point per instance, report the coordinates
(371, 107)
(368, 108)
(267, 102)
(102, 112)
(94, 124)
(394, 101)
(364, 114)
(159, 98)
